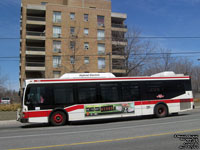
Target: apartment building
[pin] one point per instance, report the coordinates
(64, 36)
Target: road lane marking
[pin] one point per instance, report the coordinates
(105, 141)
(100, 130)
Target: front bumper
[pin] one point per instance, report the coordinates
(23, 120)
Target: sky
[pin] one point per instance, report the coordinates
(154, 18)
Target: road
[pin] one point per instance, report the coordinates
(139, 133)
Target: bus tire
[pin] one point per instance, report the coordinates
(58, 118)
(160, 111)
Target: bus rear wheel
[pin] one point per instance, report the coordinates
(161, 111)
(58, 118)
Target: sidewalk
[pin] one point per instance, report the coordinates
(8, 122)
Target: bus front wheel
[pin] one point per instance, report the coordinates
(160, 111)
(58, 118)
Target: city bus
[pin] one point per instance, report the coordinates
(90, 96)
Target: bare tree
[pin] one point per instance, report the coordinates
(183, 66)
(137, 52)
(3, 79)
(196, 79)
(161, 61)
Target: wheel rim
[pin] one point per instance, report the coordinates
(161, 111)
(58, 118)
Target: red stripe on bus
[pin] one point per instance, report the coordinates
(187, 100)
(106, 79)
(37, 114)
(69, 109)
(47, 113)
(164, 101)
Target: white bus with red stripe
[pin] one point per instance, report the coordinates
(87, 96)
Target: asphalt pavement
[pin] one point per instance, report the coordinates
(139, 133)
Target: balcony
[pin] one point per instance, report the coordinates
(35, 50)
(118, 52)
(35, 35)
(36, 15)
(119, 27)
(117, 20)
(35, 66)
(119, 41)
(118, 66)
(36, 20)
(118, 57)
(118, 16)
(33, 7)
(35, 63)
(35, 74)
(118, 69)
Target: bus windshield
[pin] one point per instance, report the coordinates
(34, 95)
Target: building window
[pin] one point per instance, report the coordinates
(72, 60)
(56, 74)
(86, 31)
(101, 63)
(72, 16)
(72, 45)
(56, 61)
(44, 3)
(100, 35)
(57, 46)
(86, 17)
(72, 30)
(101, 48)
(86, 60)
(86, 45)
(56, 31)
(56, 17)
(100, 21)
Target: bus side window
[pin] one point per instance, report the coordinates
(87, 93)
(174, 88)
(130, 91)
(63, 94)
(109, 92)
(155, 90)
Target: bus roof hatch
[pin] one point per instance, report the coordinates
(86, 75)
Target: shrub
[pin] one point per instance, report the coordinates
(9, 107)
(197, 100)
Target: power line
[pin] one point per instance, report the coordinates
(148, 54)
(171, 53)
(87, 37)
